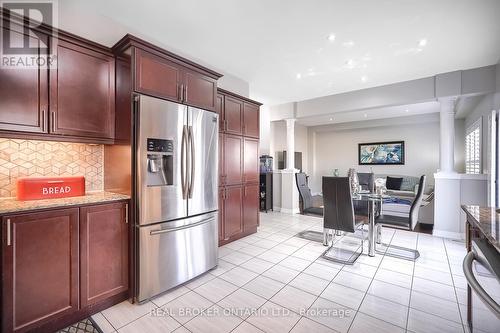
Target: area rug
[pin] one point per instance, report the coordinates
(83, 326)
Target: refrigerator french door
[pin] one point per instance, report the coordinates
(176, 175)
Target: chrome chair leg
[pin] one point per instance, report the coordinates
(378, 236)
(326, 236)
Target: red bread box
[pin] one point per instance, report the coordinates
(35, 188)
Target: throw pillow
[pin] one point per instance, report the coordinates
(393, 183)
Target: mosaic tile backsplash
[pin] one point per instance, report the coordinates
(21, 158)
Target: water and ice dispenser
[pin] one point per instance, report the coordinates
(160, 162)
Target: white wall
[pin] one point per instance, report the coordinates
(278, 141)
(339, 149)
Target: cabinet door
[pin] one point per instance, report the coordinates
(233, 115)
(40, 268)
(103, 252)
(82, 92)
(251, 120)
(199, 90)
(250, 206)
(157, 76)
(233, 222)
(233, 159)
(221, 213)
(251, 160)
(24, 91)
(219, 108)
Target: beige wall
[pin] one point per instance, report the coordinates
(278, 141)
(21, 158)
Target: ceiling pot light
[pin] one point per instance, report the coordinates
(331, 119)
(349, 43)
(364, 78)
(349, 63)
(298, 76)
(422, 42)
(365, 115)
(331, 37)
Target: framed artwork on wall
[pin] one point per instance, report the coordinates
(381, 153)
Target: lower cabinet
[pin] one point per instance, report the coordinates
(250, 207)
(233, 205)
(57, 265)
(103, 252)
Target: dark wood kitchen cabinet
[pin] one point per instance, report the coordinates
(239, 166)
(251, 160)
(62, 265)
(40, 268)
(251, 126)
(233, 211)
(24, 92)
(250, 207)
(233, 159)
(82, 92)
(103, 252)
(165, 75)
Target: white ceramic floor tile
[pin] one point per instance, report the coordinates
(390, 292)
(169, 296)
(252, 250)
(237, 258)
(161, 323)
(222, 267)
(421, 322)
(364, 323)
(187, 306)
(295, 263)
(264, 287)
(361, 269)
(352, 280)
(397, 265)
(257, 265)
(213, 320)
(398, 279)
(103, 323)
(322, 271)
(216, 289)
(434, 288)
(343, 295)
(332, 315)
(294, 299)
(266, 244)
(123, 313)
(198, 281)
(245, 327)
(436, 306)
(274, 319)
(385, 310)
(281, 273)
(372, 261)
(242, 303)
(272, 256)
(285, 249)
(306, 325)
(309, 283)
(238, 276)
(433, 275)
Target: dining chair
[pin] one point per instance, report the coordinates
(402, 222)
(339, 216)
(305, 196)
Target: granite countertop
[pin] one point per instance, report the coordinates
(11, 205)
(487, 220)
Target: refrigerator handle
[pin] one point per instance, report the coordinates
(183, 162)
(192, 162)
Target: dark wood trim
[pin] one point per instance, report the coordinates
(238, 236)
(130, 40)
(54, 137)
(246, 99)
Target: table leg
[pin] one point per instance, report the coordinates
(371, 229)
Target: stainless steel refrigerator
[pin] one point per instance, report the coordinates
(176, 175)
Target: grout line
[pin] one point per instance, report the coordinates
(411, 289)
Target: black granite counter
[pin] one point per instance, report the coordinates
(487, 221)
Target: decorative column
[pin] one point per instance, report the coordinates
(289, 191)
(447, 136)
(290, 144)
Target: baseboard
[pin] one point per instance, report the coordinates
(289, 211)
(276, 209)
(448, 234)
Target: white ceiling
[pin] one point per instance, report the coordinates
(269, 42)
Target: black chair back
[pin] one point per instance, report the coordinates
(304, 191)
(338, 207)
(415, 206)
(367, 181)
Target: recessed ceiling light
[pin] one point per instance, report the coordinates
(364, 78)
(331, 119)
(331, 37)
(365, 115)
(349, 43)
(298, 76)
(407, 110)
(422, 42)
(349, 63)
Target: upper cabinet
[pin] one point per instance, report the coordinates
(73, 100)
(239, 116)
(82, 92)
(162, 74)
(24, 94)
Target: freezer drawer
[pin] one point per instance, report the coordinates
(174, 252)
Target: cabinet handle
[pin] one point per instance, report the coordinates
(244, 129)
(53, 121)
(185, 93)
(245, 191)
(126, 213)
(179, 91)
(43, 120)
(9, 241)
(225, 125)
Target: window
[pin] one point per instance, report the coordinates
(473, 148)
